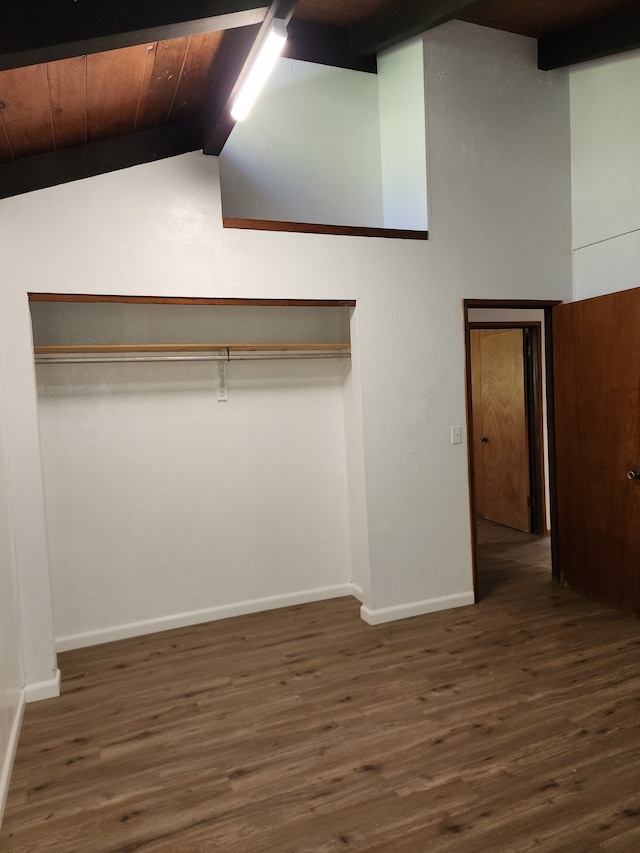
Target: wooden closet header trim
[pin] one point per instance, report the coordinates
(186, 300)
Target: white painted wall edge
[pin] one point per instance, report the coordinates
(195, 617)
(39, 690)
(415, 608)
(7, 766)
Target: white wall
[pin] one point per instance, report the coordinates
(327, 170)
(498, 150)
(11, 670)
(358, 154)
(25, 475)
(166, 507)
(403, 153)
(605, 127)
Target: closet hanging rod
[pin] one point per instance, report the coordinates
(124, 359)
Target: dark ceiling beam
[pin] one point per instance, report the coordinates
(227, 67)
(237, 53)
(403, 20)
(96, 158)
(325, 45)
(608, 36)
(35, 31)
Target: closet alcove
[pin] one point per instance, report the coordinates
(194, 457)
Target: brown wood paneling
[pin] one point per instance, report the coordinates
(145, 84)
(5, 148)
(27, 110)
(166, 59)
(597, 434)
(114, 79)
(192, 86)
(505, 455)
(68, 88)
(316, 228)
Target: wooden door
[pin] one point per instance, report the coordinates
(501, 446)
(597, 425)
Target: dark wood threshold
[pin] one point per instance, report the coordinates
(188, 300)
(315, 228)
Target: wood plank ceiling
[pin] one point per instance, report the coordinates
(107, 89)
(73, 101)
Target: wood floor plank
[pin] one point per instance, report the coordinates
(513, 725)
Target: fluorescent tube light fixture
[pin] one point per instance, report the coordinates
(258, 73)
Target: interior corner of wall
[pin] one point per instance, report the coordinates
(37, 691)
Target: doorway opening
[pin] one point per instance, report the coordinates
(506, 410)
(509, 421)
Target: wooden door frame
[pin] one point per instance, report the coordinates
(514, 304)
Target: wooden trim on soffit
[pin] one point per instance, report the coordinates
(317, 228)
(509, 304)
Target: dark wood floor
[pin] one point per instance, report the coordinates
(511, 725)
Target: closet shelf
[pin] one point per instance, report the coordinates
(88, 349)
(77, 349)
(120, 353)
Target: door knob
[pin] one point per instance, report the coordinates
(633, 475)
(485, 440)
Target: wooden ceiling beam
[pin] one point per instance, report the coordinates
(35, 31)
(615, 34)
(325, 45)
(96, 158)
(403, 20)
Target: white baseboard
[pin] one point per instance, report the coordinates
(43, 689)
(7, 764)
(356, 592)
(195, 617)
(415, 608)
